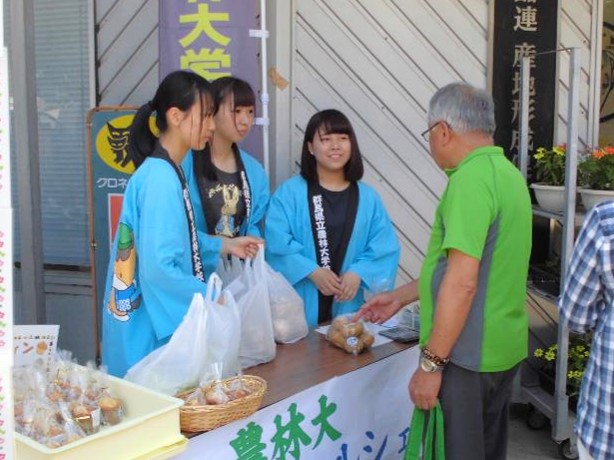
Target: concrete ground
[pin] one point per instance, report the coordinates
(527, 444)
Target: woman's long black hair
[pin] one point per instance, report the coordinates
(179, 89)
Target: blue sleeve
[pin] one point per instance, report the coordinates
(163, 250)
(379, 259)
(582, 299)
(259, 187)
(210, 251)
(285, 249)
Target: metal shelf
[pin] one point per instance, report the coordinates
(579, 214)
(544, 295)
(537, 211)
(555, 407)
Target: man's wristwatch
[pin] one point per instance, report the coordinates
(430, 362)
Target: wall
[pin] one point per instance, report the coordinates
(377, 61)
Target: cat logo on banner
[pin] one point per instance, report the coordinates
(112, 144)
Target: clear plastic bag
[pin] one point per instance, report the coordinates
(351, 336)
(209, 332)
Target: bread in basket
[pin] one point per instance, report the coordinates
(208, 417)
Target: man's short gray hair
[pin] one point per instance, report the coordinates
(464, 108)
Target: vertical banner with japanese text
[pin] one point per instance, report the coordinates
(110, 168)
(524, 28)
(211, 38)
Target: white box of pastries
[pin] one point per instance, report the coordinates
(149, 429)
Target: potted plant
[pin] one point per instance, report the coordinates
(596, 176)
(550, 174)
(578, 353)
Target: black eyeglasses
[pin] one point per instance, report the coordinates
(425, 133)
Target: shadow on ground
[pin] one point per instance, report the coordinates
(528, 444)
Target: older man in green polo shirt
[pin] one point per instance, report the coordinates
(472, 286)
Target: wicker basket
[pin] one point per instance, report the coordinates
(205, 418)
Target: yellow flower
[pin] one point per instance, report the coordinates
(559, 151)
(539, 155)
(550, 355)
(538, 353)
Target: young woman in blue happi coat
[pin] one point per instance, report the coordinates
(155, 266)
(326, 230)
(230, 188)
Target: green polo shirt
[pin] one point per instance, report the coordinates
(485, 212)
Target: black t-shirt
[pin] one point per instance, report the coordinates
(334, 205)
(224, 204)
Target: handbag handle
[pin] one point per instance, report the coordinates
(429, 444)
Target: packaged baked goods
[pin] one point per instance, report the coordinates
(62, 402)
(196, 398)
(215, 394)
(87, 417)
(111, 410)
(237, 389)
(351, 336)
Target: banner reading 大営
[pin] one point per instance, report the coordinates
(211, 38)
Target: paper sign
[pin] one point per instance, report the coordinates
(6, 280)
(6, 408)
(32, 342)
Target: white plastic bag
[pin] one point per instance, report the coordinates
(287, 309)
(209, 332)
(229, 269)
(251, 293)
(223, 335)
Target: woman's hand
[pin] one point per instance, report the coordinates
(350, 282)
(243, 247)
(327, 282)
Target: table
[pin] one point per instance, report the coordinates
(322, 403)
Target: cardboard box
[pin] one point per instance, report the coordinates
(150, 429)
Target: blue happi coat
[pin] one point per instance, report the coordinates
(210, 245)
(373, 251)
(150, 281)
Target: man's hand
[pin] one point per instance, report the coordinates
(424, 388)
(379, 308)
(243, 247)
(327, 282)
(350, 282)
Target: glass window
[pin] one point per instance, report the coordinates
(63, 97)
